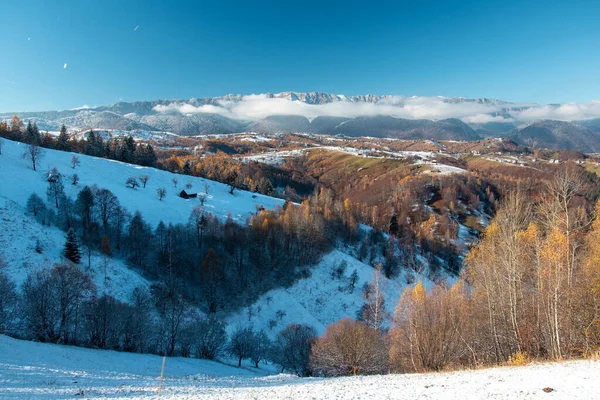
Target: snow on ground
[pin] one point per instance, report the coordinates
(442, 169)
(18, 181)
(272, 158)
(44, 371)
(20, 237)
(39, 370)
(318, 300)
(425, 157)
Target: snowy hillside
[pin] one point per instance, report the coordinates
(44, 371)
(18, 181)
(320, 299)
(18, 249)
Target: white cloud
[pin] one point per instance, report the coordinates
(65, 66)
(83, 107)
(562, 112)
(184, 108)
(484, 118)
(257, 106)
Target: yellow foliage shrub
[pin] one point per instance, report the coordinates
(519, 358)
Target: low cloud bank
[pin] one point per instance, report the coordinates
(255, 107)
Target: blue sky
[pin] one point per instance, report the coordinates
(542, 51)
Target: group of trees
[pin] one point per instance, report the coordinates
(530, 288)
(62, 305)
(91, 143)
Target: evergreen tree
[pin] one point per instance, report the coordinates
(36, 132)
(71, 251)
(187, 170)
(32, 136)
(145, 155)
(394, 227)
(62, 143)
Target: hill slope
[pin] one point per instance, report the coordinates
(558, 135)
(19, 181)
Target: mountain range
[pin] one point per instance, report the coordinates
(324, 113)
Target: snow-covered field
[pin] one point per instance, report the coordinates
(43, 371)
(18, 180)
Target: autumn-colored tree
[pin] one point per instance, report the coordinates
(427, 329)
(349, 347)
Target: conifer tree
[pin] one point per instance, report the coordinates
(71, 251)
(62, 142)
(394, 228)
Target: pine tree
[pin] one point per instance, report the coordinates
(62, 142)
(187, 170)
(32, 136)
(394, 228)
(71, 251)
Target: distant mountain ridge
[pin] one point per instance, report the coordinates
(211, 115)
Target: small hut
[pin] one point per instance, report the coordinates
(186, 195)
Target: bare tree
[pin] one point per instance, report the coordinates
(175, 181)
(427, 333)
(241, 344)
(161, 192)
(144, 179)
(172, 307)
(75, 162)
(52, 299)
(33, 153)
(210, 338)
(198, 220)
(35, 205)
(261, 347)
(292, 348)
(132, 182)
(107, 206)
(56, 190)
(373, 312)
(8, 302)
(349, 348)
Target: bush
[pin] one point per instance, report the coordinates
(292, 348)
(349, 348)
(519, 358)
(211, 338)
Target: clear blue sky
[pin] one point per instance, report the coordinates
(543, 51)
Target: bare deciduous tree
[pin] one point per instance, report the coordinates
(240, 344)
(349, 347)
(292, 348)
(144, 179)
(75, 162)
(34, 154)
(132, 182)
